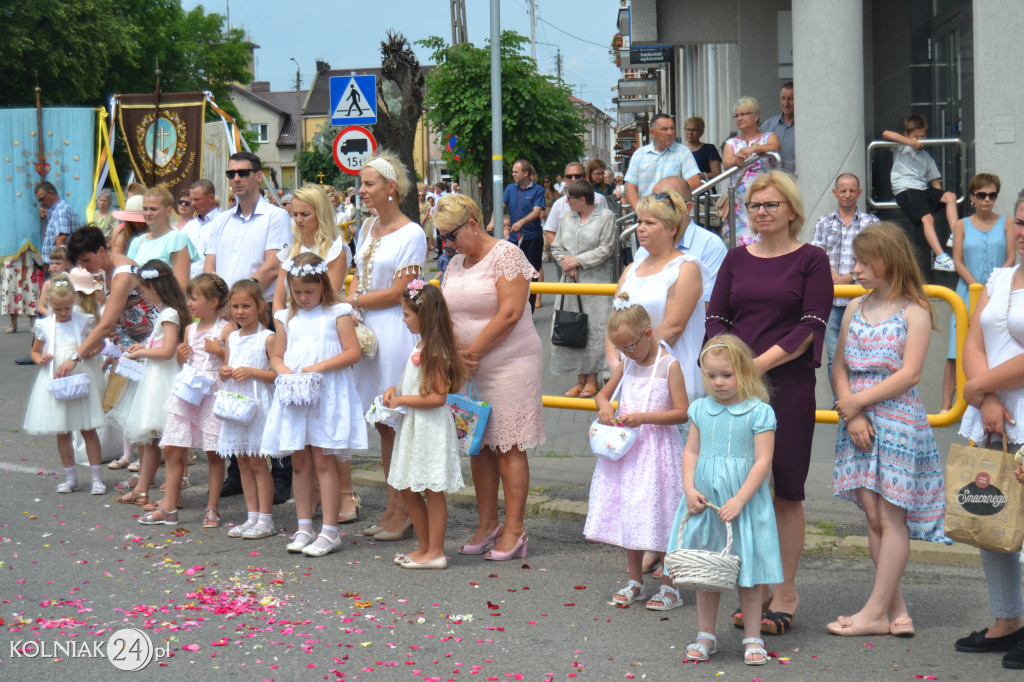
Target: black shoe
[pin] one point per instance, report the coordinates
(282, 494)
(1015, 658)
(232, 486)
(27, 360)
(978, 643)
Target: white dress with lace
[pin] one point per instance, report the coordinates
(378, 263)
(336, 249)
(426, 447)
(247, 351)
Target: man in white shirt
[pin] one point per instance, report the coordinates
(204, 203)
(573, 172)
(244, 241)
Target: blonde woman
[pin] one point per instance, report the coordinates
(163, 242)
(748, 142)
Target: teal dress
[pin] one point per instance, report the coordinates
(983, 253)
(143, 249)
(726, 456)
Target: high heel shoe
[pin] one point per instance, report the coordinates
(519, 549)
(356, 502)
(400, 534)
(482, 547)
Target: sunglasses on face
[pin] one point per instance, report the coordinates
(184, 202)
(241, 172)
(986, 195)
(574, 176)
(453, 235)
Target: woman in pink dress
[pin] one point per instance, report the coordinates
(486, 287)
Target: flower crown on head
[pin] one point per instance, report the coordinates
(303, 270)
(148, 274)
(415, 287)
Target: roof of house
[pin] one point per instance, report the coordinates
(319, 101)
(281, 102)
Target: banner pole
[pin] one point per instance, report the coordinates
(40, 159)
(156, 120)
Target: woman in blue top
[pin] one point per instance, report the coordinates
(163, 242)
(981, 243)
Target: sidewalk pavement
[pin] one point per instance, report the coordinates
(561, 469)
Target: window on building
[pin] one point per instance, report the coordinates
(261, 129)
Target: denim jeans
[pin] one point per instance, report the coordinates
(835, 321)
(1003, 574)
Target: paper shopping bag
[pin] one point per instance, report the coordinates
(984, 500)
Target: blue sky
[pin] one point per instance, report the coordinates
(347, 34)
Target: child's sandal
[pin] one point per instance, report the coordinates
(633, 591)
(663, 601)
(211, 519)
(755, 651)
(702, 649)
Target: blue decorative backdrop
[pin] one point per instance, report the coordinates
(69, 147)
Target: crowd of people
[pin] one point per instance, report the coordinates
(233, 332)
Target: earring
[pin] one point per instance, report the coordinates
(390, 198)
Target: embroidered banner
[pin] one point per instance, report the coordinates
(68, 137)
(176, 137)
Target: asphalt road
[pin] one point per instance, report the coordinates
(76, 568)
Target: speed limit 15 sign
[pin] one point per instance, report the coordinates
(353, 147)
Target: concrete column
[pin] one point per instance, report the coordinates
(828, 79)
(999, 126)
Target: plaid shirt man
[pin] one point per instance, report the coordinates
(837, 239)
(60, 219)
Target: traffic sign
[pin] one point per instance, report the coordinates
(353, 147)
(353, 100)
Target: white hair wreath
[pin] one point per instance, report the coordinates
(148, 274)
(303, 270)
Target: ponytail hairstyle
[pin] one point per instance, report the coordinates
(442, 368)
(309, 268)
(251, 288)
(749, 383)
(211, 287)
(61, 288)
(158, 276)
(632, 315)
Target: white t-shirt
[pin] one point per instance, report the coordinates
(561, 207)
(239, 245)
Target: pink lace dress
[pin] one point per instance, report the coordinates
(195, 426)
(509, 376)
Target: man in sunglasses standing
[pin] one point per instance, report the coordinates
(659, 159)
(573, 172)
(243, 243)
(834, 233)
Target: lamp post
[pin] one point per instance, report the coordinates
(300, 142)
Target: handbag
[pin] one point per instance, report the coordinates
(367, 339)
(190, 385)
(471, 415)
(570, 328)
(612, 442)
(302, 389)
(74, 385)
(984, 500)
(132, 370)
(235, 407)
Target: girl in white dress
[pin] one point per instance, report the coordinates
(427, 448)
(139, 412)
(57, 336)
(194, 426)
(316, 335)
(246, 371)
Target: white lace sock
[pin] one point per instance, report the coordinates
(97, 477)
(330, 532)
(71, 475)
(306, 526)
(251, 518)
(265, 520)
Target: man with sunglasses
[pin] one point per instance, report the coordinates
(834, 233)
(663, 157)
(573, 172)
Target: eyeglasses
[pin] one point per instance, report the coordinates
(573, 176)
(241, 172)
(451, 236)
(743, 113)
(630, 349)
(184, 202)
(986, 195)
(770, 206)
(660, 196)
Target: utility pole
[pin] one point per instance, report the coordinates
(558, 66)
(458, 9)
(300, 142)
(533, 30)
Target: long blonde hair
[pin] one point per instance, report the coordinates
(749, 383)
(326, 229)
(886, 248)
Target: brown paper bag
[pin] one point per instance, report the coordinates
(115, 386)
(984, 500)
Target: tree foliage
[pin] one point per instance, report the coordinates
(539, 121)
(318, 157)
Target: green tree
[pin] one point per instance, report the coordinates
(318, 157)
(539, 121)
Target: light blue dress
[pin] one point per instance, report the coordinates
(983, 253)
(726, 456)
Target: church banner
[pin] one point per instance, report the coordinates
(165, 139)
(68, 157)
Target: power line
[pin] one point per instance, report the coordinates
(582, 40)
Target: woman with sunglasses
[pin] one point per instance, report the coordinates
(981, 243)
(776, 295)
(487, 288)
(185, 210)
(748, 142)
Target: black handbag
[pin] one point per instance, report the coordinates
(570, 329)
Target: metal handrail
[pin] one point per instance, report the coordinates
(927, 142)
(706, 188)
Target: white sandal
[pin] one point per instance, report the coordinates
(666, 604)
(759, 650)
(629, 595)
(705, 654)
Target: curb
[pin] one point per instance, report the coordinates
(815, 542)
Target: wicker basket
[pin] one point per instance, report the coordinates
(701, 569)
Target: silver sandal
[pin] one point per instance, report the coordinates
(666, 604)
(629, 595)
(705, 654)
(760, 650)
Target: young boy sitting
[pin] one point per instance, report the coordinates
(917, 187)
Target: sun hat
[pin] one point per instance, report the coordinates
(82, 280)
(132, 210)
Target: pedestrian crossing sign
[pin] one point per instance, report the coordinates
(353, 100)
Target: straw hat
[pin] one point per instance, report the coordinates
(132, 210)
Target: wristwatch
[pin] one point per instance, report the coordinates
(75, 357)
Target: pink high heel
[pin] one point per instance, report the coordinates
(519, 549)
(482, 547)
